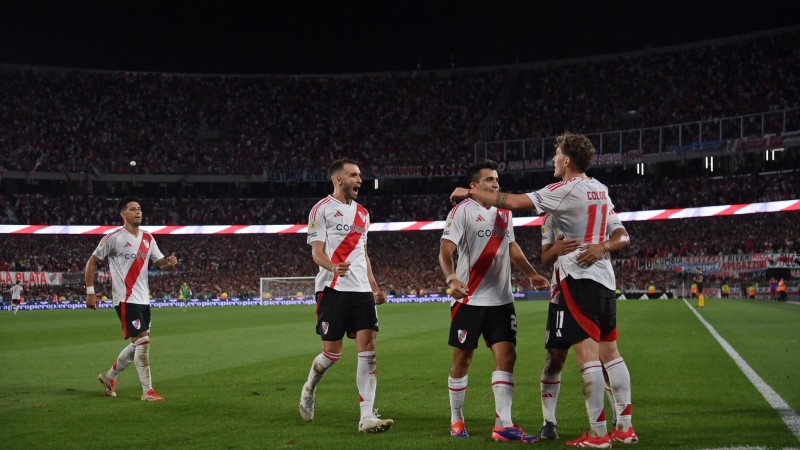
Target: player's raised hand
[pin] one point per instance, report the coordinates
(459, 194)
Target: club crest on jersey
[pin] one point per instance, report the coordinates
(362, 216)
(146, 243)
(462, 336)
(503, 216)
(325, 326)
(137, 324)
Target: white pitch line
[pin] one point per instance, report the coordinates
(789, 416)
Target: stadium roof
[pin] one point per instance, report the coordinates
(301, 37)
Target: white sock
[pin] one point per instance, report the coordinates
(458, 392)
(320, 365)
(620, 379)
(142, 362)
(503, 387)
(612, 403)
(593, 388)
(367, 382)
(550, 386)
(123, 360)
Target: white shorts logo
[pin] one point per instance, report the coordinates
(137, 324)
(462, 336)
(325, 327)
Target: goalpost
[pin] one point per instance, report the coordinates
(273, 289)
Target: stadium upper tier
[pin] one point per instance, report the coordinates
(59, 120)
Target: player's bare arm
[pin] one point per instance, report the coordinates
(562, 246)
(519, 260)
(321, 259)
(91, 269)
(446, 251)
(168, 263)
(594, 252)
(377, 292)
(499, 199)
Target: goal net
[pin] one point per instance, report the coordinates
(286, 290)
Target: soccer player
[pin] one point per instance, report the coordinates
(129, 251)
(578, 206)
(698, 279)
(16, 296)
(555, 244)
(482, 301)
(346, 291)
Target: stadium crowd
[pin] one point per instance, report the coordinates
(637, 195)
(59, 120)
(95, 122)
(403, 262)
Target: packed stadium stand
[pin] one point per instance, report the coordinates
(215, 150)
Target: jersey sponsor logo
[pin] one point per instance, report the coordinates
(538, 197)
(135, 255)
(325, 326)
(350, 228)
(462, 336)
(338, 214)
(137, 324)
(127, 244)
(480, 219)
(493, 232)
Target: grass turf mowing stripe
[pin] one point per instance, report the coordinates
(777, 402)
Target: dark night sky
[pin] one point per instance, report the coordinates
(339, 37)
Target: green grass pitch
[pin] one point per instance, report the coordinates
(232, 379)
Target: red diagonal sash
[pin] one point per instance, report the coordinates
(486, 257)
(350, 241)
(138, 263)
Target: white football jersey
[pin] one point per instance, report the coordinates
(343, 229)
(129, 257)
(581, 209)
(16, 291)
(483, 237)
(549, 236)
